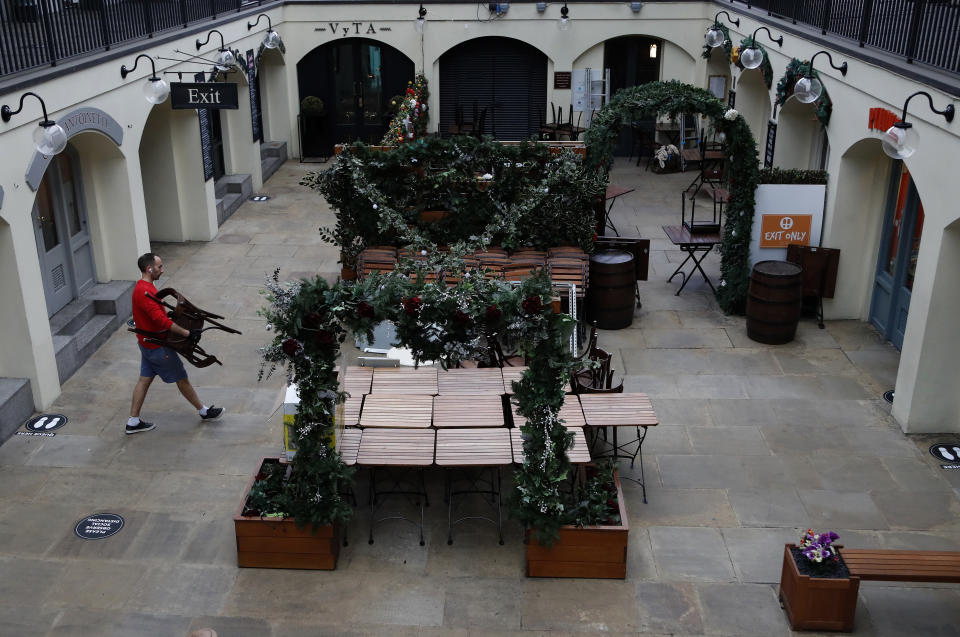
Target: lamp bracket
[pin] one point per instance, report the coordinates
(716, 18)
(210, 33)
(947, 112)
(779, 40)
(842, 67)
(6, 113)
(250, 25)
(124, 71)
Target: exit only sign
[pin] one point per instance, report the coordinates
(779, 231)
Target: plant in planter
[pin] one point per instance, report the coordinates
(816, 588)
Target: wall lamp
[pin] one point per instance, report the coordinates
(50, 138)
(225, 58)
(901, 140)
(752, 56)
(155, 90)
(636, 6)
(808, 89)
(421, 22)
(271, 39)
(564, 23)
(715, 36)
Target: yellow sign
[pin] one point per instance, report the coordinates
(778, 231)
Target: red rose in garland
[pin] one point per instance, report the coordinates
(365, 310)
(493, 314)
(532, 305)
(462, 318)
(313, 320)
(412, 305)
(325, 337)
(290, 347)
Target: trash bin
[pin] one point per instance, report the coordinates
(774, 301)
(610, 300)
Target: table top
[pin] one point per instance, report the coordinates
(487, 381)
(397, 447)
(618, 410)
(614, 191)
(473, 447)
(408, 412)
(356, 380)
(570, 413)
(349, 445)
(579, 452)
(467, 411)
(404, 380)
(351, 410)
(693, 154)
(680, 236)
(511, 374)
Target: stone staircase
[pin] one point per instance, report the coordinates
(16, 405)
(272, 156)
(231, 191)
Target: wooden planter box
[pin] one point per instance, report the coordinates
(587, 552)
(272, 543)
(433, 216)
(817, 603)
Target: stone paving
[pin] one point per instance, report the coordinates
(755, 443)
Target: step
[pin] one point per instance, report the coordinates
(239, 184)
(72, 316)
(274, 149)
(16, 405)
(227, 206)
(270, 165)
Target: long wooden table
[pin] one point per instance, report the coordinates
(404, 380)
(487, 381)
(467, 411)
(395, 411)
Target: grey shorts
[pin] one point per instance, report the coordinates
(162, 362)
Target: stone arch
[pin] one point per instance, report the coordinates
(274, 96)
(800, 136)
(753, 102)
(626, 30)
(77, 121)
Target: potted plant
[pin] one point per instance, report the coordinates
(268, 538)
(816, 588)
(593, 543)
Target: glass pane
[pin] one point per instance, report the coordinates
(372, 85)
(344, 86)
(894, 244)
(915, 245)
(45, 217)
(65, 166)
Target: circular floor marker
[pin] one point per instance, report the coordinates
(98, 526)
(888, 396)
(946, 451)
(45, 422)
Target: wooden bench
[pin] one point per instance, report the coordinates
(903, 566)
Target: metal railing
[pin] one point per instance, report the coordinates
(925, 31)
(38, 33)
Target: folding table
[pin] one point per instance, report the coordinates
(613, 192)
(692, 244)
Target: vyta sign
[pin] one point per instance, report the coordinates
(221, 95)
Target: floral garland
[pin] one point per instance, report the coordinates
(727, 44)
(411, 120)
(795, 70)
(309, 320)
(674, 98)
(766, 68)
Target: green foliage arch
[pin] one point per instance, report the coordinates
(673, 99)
(794, 71)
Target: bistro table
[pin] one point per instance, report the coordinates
(511, 374)
(352, 408)
(613, 192)
(467, 411)
(579, 452)
(404, 380)
(488, 381)
(621, 410)
(570, 413)
(405, 412)
(357, 380)
(469, 456)
(391, 454)
(693, 244)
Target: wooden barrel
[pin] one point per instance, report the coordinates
(610, 299)
(774, 301)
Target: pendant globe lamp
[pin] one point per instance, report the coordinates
(49, 138)
(421, 22)
(752, 56)
(901, 140)
(271, 39)
(564, 22)
(715, 36)
(155, 89)
(808, 88)
(225, 59)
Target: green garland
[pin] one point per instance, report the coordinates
(309, 320)
(533, 197)
(794, 71)
(766, 68)
(673, 99)
(410, 122)
(727, 44)
(793, 176)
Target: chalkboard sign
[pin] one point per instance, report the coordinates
(771, 142)
(205, 147)
(256, 118)
(562, 79)
(732, 99)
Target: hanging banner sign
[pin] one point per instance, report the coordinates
(221, 95)
(732, 98)
(770, 144)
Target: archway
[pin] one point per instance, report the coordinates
(753, 102)
(499, 84)
(355, 78)
(274, 97)
(801, 138)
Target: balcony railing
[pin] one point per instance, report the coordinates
(925, 31)
(37, 33)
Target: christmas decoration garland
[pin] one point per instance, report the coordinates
(410, 122)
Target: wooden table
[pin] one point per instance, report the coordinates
(579, 452)
(349, 445)
(616, 411)
(467, 411)
(692, 244)
(357, 380)
(570, 413)
(406, 412)
(613, 192)
(473, 453)
(352, 407)
(404, 380)
(398, 449)
(511, 374)
(486, 381)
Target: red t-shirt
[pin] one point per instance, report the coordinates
(147, 313)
